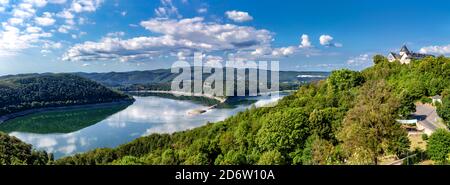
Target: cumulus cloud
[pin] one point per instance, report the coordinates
(191, 34)
(3, 4)
(284, 51)
(37, 3)
(45, 20)
(15, 21)
(202, 10)
(305, 43)
(33, 29)
(440, 50)
(116, 34)
(238, 16)
(85, 5)
(24, 28)
(23, 10)
(360, 62)
(327, 40)
(57, 1)
(12, 39)
(66, 14)
(167, 9)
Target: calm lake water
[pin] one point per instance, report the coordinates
(73, 131)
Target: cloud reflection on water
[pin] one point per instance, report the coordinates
(146, 116)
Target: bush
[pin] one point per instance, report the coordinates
(426, 100)
(438, 147)
(424, 137)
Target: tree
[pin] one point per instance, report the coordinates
(438, 147)
(319, 151)
(444, 109)
(13, 152)
(283, 130)
(369, 129)
(345, 79)
(128, 160)
(272, 157)
(378, 59)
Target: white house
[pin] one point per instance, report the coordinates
(405, 56)
(436, 99)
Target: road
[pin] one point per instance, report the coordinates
(428, 117)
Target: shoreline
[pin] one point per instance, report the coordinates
(7, 117)
(221, 100)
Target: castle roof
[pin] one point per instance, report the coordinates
(404, 49)
(396, 56)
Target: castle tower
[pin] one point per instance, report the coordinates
(404, 51)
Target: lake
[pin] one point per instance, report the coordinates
(66, 132)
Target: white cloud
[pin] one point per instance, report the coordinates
(37, 3)
(238, 16)
(24, 10)
(360, 62)
(33, 29)
(305, 43)
(3, 4)
(202, 10)
(176, 35)
(24, 28)
(167, 9)
(327, 40)
(116, 34)
(12, 39)
(44, 51)
(45, 20)
(66, 14)
(262, 51)
(57, 1)
(15, 21)
(440, 50)
(85, 5)
(123, 13)
(284, 51)
(52, 45)
(65, 28)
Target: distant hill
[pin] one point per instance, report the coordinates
(165, 77)
(30, 91)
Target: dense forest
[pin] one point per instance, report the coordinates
(160, 79)
(23, 92)
(15, 152)
(347, 119)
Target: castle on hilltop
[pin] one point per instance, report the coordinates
(405, 56)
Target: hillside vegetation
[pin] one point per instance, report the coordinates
(23, 92)
(161, 79)
(347, 119)
(15, 152)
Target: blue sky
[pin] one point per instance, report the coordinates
(124, 35)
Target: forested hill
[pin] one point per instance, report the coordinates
(347, 119)
(164, 76)
(15, 152)
(29, 91)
